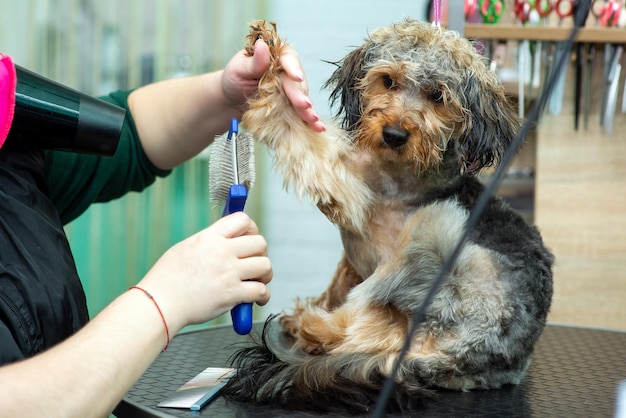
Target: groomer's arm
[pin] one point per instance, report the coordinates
(196, 280)
(178, 118)
(90, 372)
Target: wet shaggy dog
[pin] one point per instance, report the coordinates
(420, 114)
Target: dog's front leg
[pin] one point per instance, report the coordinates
(313, 163)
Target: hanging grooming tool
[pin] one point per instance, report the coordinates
(548, 49)
(469, 9)
(578, 84)
(564, 9)
(231, 175)
(556, 97)
(491, 11)
(543, 9)
(523, 11)
(606, 14)
(498, 57)
(524, 70)
(537, 55)
(437, 13)
(624, 98)
(579, 74)
(605, 76)
(591, 53)
(612, 84)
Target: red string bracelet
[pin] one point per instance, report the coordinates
(167, 331)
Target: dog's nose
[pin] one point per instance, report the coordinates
(395, 137)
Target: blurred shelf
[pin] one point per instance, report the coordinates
(538, 33)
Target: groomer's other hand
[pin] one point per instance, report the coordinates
(242, 73)
(212, 271)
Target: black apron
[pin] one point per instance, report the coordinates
(42, 301)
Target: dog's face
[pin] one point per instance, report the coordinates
(419, 95)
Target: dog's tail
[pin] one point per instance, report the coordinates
(270, 375)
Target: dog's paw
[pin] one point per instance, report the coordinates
(311, 327)
(269, 102)
(260, 29)
(320, 331)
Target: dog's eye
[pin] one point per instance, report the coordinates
(435, 96)
(388, 82)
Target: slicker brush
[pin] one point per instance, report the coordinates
(231, 176)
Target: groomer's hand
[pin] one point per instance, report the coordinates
(242, 73)
(210, 272)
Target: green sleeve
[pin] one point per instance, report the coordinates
(76, 181)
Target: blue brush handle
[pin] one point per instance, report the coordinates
(242, 313)
(236, 200)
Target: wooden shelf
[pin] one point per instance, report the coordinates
(538, 33)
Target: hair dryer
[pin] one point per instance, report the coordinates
(40, 112)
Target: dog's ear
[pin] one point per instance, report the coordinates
(344, 84)
(492, 123)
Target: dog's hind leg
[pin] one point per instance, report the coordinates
(353, 321)
(352, 327)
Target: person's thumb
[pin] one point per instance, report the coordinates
(260, 60)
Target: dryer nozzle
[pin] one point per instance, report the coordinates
(49, 115)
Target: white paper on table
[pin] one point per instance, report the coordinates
(200, 390)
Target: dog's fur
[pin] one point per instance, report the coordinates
(420, 114)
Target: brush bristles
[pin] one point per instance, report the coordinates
(221, 170)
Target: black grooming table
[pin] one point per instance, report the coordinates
(575, 373)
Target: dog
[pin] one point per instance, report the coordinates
(419, 116)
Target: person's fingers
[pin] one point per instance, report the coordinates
(235, 225)
(256, 268)
(296, 93)
(264, 297)
(290, 62)
(248, 246)
(254, 291)
(297, 89)
(295, 84)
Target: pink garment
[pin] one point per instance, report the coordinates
(8, 82)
